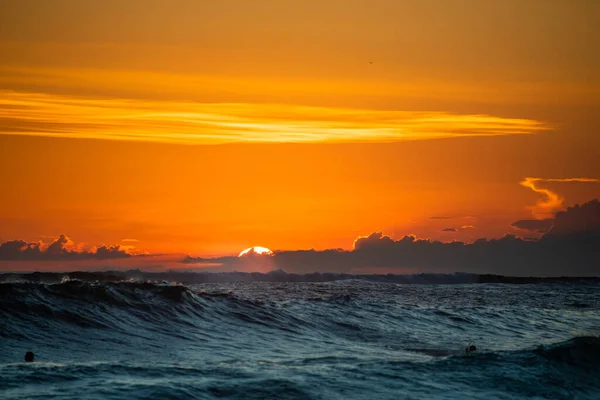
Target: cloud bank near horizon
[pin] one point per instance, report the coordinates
(61, 249)
(569, 247)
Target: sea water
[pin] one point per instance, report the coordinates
(348, 339)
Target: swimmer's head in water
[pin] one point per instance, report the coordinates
(29, 356)
(471, 348)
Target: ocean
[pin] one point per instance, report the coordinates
(346, 339)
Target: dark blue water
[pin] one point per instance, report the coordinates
(335, 340)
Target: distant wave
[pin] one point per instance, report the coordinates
(280, 276)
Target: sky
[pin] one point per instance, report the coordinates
(205, 127)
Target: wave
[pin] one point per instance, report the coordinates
(188, 277)
(583, 351)
(347, 313)
(135, 306)
(392, 335)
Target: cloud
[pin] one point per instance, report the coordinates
(216, 123)
(449, 230)
(58, 246)
(130, 240)
(374, 239)
(250, 262)
(577, 220)
(534, 225)
(569, 248)
(441, 217)
(62, 248)
(16, 249)
(551, 201)
(467, 227)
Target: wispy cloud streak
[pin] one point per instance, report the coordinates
(551, 201)
(23, 113)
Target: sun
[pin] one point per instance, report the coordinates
(255, 250)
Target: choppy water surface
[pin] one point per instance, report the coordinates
(347, 339)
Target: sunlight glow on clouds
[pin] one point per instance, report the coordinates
(23, 113)
(552, 202)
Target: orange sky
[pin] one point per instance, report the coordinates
(205, 127)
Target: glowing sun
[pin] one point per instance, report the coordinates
(255, 250)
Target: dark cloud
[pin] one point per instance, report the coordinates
(449, 230)
(573, 220)
(16, 250)
(441, 217)
(105, 252)
(19, 249)
(570, 248)
(577, 219)
(534, 225)
(374, 239)
(58, 246)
